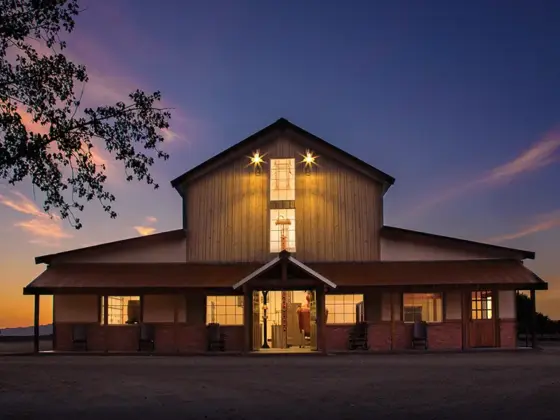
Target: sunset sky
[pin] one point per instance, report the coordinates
(459, 101)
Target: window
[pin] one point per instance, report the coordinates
(422, 307)
(278, 229)
(224, 310)
(282, 179)
(121, 310)
(344, 309)
(481, 305)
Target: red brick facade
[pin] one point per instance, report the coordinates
(185, 338)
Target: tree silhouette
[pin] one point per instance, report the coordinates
(59, 161)
(544, 325)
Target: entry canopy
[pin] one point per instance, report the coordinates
(274, 267)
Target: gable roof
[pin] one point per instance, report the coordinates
(275, 262)
(279, 126)
(391, 232)
(170, 234)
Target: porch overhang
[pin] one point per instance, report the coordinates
(160, 278)
(284, 261)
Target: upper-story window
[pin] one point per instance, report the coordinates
(282, 179)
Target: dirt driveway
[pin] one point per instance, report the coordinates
(454, 386)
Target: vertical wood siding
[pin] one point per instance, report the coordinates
(338, 211)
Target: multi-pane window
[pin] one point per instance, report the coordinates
(224, 310)
(481, 305)
(282, 179)
(344, 309)
(121, 310)
(281, 231)
(426, 307)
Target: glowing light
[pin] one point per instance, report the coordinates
(256, 159)
(309, 159)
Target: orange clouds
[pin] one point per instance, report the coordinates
(146, 230)
(44, 229)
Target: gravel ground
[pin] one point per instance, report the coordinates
(454, 386)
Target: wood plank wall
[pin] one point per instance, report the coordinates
(338, 211)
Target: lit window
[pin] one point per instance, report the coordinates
(281, 231)
(121, 310)
(481, 305)
(422, 307)
(282, 179)
(344, 309)
(224, 310)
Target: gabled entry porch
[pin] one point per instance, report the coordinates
(287, 275)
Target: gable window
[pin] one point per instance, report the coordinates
(282, 230)
(422, 307)
(121, 310)
(282, 179)
(224, 310)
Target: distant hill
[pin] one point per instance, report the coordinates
(25, 331)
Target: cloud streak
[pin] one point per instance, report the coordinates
(144, 230)
(538, 156)
(542, 223)
(44, 229)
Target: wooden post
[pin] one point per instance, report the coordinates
(247, 319)
(533, 319)
(176, 320)
(36, 325)
(392, 321)
(105, 321)
(54, 324)
(464, 319)
(496, 315)
(321, 326)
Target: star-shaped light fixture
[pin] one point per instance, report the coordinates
(309, 159)
(256, 160)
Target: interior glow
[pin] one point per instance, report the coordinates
(282, 179)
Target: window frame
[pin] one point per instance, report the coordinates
(439, 311)
(331, 308)
(476, 312)
(102, 310)
(288, 194)
(238, 312)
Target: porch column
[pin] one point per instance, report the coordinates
(464, 318)
(533, 318)
(321, 329)
(36, 325)
(247, 319)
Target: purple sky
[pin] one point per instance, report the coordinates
(459, 101)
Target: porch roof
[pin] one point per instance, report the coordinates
(92, 277)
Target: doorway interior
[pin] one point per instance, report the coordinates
(284, 321)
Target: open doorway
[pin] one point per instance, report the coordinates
(284, 321)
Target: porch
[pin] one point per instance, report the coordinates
(178, 307)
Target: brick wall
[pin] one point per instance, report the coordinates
(337, 337)
(379, 336)
(445, 336)
(508, 333)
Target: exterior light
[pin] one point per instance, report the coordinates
(256, 160)
(309, 159)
